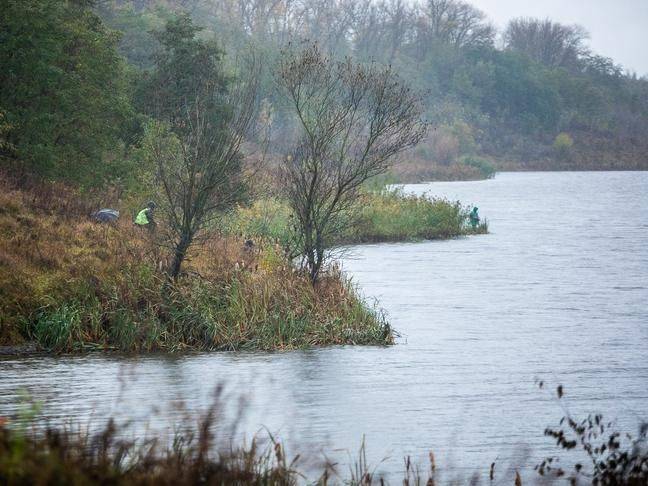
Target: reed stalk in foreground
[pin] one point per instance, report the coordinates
(199, 456)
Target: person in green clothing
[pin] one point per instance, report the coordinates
(474, 217)
(144, 218)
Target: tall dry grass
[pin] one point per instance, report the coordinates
(381, 216)
(71, 284)
(599, 453)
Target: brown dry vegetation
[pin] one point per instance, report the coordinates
(420, 170)
(72, 284)
(600, 455)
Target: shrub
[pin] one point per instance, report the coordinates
(563, 145)
(610, 457)
(267, 218)
(445, 146)
(485, 168)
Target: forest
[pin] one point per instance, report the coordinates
(531, 97)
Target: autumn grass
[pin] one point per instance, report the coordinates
(391, 215)
(60, 456)
(588, 451)
(70, 284)
(71, 455)
(466, 168)
(381, 216)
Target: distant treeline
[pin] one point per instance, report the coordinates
(73, 78)
(531, 96)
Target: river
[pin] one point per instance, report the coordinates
(558, 291)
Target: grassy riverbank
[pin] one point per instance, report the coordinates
(466, 168)
(382, 216)
(70, 285)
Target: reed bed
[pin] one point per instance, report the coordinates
(70, 284)
(391, 215)
(199, 456)
(382, 215)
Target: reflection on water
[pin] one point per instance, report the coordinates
(558, 291)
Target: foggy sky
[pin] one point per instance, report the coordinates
(618, 28)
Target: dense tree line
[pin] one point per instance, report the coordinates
(74, 75)
(505, 94)
(64, 89)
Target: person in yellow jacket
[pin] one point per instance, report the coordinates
(144, 218)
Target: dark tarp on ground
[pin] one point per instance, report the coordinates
(106, 215)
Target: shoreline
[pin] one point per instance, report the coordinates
(80, 287)
(406, 181)
(21, 351)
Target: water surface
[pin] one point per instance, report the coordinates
(557, 291)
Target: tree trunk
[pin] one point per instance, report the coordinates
(315, 259)
(179, 255)
(312, 265)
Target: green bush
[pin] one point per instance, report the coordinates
(563, 145)
(267, 218)
(485, 168)
(64, 91)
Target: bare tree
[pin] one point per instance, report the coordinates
(353, 119)
(548, 42)
(196, 148)
(200, 174)
(452, 22)
(382, 28)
